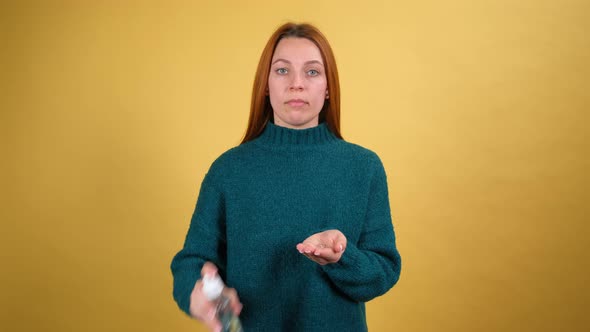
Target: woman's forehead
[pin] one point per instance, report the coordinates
(297, 49)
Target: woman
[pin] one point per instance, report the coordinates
(295, 219)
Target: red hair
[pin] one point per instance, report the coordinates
(260, 109)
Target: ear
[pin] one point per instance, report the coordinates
(327, 95)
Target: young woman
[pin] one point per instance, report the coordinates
(295, 219)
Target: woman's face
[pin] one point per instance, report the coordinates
(297, 83)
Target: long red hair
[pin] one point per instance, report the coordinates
(260, 109)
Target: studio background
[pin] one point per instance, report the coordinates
(113, 111)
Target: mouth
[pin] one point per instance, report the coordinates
(296, 102)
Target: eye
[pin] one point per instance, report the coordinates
(281, 71)
(313, 72)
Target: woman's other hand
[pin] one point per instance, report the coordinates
(325, 247)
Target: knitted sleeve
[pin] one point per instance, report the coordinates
(204, 242)
(372, 266)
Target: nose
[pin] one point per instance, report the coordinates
(296, 82)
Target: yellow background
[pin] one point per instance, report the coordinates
(111, 114)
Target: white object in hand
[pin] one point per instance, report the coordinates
(213, 289)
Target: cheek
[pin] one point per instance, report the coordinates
(271, 87)
(274, 86)
(319, 91)
(274, 93)
(321, 86)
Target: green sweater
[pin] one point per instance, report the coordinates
(260, 199)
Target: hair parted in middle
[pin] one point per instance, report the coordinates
(260, 108)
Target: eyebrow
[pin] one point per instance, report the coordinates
(306, 63)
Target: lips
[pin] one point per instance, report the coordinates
(296, 102)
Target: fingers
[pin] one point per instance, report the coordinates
(327, 254)
(324, 247)
(203, 309)
(305, 248)
(338, 240)
(212, 323)
(208, 269)
(209, 318)
(321, 256)
(313, 244)
(234, 300)
(340, 246)
(311, 250)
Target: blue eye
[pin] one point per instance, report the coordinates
(313, 72)
(281, 71)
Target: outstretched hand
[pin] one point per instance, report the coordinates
(325, 247)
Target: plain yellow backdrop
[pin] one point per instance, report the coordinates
(112, 112)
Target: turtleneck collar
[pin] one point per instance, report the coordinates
(278, 136)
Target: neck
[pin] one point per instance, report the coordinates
(277, 136)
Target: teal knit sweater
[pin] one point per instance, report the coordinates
(260, 199)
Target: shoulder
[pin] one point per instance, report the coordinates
(360, 154)
(230, 160)
(224, 160)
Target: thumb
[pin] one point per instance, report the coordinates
(339, 241)
(208, 269)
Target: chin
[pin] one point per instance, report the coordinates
(298, 121)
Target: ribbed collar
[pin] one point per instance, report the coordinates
(277, 136)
